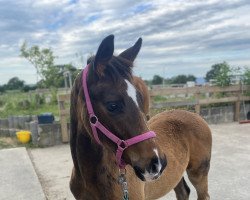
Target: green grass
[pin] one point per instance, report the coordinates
(20, 103)
(159, 99)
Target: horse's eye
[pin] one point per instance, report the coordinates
(113, 107)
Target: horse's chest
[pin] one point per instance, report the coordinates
(104, 184)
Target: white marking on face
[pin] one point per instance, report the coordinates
(159, 166)
(131, 91)
(150, 176)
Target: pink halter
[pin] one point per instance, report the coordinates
(94, 123)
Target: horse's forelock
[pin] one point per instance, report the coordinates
(118, 69)
(115, 69)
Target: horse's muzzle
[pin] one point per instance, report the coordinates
(153, 171)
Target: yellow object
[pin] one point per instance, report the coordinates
(23, 136)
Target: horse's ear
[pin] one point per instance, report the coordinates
(132, 52)
(104, 54)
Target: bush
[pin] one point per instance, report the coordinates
(24, 104)
(39, 99)
(2, 89)
(9, 106)
(53, 92)
(2, 103)
(27, 88)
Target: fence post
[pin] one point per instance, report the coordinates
(197, 104)
(63, 120)
(151, 101)
(237, 105)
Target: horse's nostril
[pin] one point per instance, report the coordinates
(155, 165)
(163, 163)
(154, 168)
(139, 173)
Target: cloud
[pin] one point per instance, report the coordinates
(178, 36)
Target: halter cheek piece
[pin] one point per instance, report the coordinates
(95, 124)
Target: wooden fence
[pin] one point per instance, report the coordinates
(63, 100)
(189, 96)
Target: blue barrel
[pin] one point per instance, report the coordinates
(45, 118)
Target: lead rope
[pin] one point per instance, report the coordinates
(123, 182)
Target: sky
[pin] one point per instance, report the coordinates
(179, 37)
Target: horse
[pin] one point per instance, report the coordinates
(154, 165)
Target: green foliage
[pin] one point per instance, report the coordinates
(220, 73)
(19, 103)
(14, 84)
(223, 77)
(23, 104)
(41, 59)
(159, 98)
(247, 76)
(2, 89)
(53, 92)
(211, 74)
(182, 79)
(157, 80)
(54, 75)
(27, 88)
(1, 103)
(38, 100)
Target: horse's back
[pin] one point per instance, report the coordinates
(181, 123)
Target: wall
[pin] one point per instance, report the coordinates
(42, 134)
(223, 114)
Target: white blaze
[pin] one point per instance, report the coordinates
(131, 91)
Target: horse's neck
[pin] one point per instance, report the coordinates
(98, 166)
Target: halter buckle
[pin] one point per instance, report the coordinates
(93, 119)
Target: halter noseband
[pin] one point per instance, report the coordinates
(94, 123)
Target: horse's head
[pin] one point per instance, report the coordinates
(119, 107)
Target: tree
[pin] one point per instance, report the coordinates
(15, 84)
(2, 89)
(220, 72)
(54, 75)
(211, 74)
(41, 59)
(247, 76)
(157, 80)
(182, 79)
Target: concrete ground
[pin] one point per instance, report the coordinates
(229, 177)
(18, 179)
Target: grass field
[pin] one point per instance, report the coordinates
(20, 103)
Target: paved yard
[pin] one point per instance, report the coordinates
(229, 177)
(18, 179)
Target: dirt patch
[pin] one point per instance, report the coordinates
(12, 142)
(8, 142)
